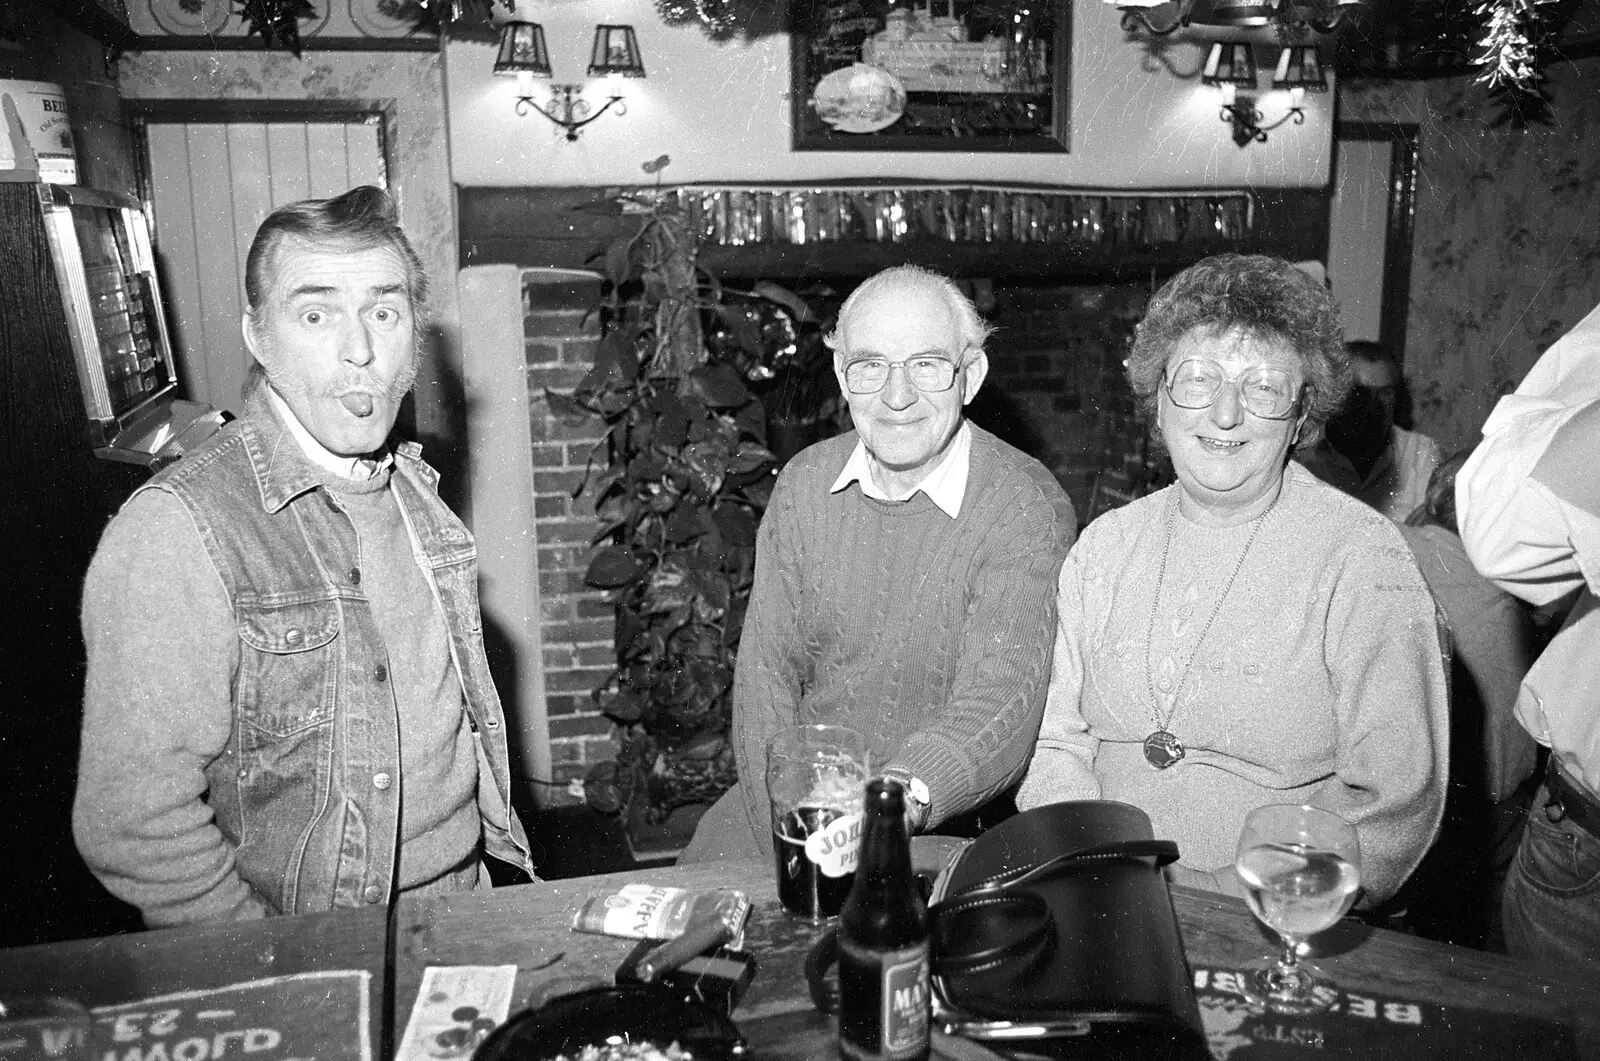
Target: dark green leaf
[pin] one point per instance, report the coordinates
(619, 261)
(751, 420)
(566, 408)
(750, 457)
(736, 524)
(617, 354)
(624, 708)
(719, 386)
(612, 567)
(685, 524)
(785, 298)
(672, 420)
(705, 746)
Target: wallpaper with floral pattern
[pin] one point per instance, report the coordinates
(1507, 250)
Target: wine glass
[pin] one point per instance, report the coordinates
(1300, 866)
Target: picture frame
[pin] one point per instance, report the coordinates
(931, 75)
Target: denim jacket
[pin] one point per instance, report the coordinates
(307, 788)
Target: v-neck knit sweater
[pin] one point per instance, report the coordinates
(1321, 680)
(929, 634)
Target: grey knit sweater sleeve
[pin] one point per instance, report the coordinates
(162, 648)
(930, 635)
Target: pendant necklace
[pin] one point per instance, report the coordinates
(1161, 747)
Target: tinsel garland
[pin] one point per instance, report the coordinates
(1512, 58)
(954, 214)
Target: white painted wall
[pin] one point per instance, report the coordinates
(722, 112)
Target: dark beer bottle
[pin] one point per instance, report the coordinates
(883, 941)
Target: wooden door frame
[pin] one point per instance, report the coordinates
(1400, 225)
(141, 113)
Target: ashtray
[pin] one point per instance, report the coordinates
(613, 1019)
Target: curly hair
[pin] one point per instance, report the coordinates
(1264, 297)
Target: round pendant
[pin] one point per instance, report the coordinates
(1162, 749)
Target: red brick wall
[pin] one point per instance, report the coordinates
(1056, 388)
(562, 332)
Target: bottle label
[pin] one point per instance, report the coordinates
(902, 1010)
(836, 847)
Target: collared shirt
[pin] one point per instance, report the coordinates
(1397, 482)
(357, 468)
(945, 486)
(1531, 526)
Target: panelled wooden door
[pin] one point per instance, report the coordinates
(209, 182)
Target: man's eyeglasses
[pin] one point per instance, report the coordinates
(927, 373)
(1269, 393)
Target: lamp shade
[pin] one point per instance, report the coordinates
(1300, 66)
(1230, 63)
(616, 51)
(522, 50)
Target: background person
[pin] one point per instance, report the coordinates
(1529, 505)
(1248, 635)
(1365, 452)
(288, 708)
(903, 571)
(1455, 895)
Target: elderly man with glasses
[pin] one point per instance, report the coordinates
(905, 575)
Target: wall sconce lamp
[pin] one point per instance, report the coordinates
(523, 53)
(1232, 66)
(1162, 17)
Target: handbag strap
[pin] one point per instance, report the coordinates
(995, 921)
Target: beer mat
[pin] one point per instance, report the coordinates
(1364, 1024)
(457, 1007)
(324, 1015)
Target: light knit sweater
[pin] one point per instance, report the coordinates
(930, 635)
(1321, 681)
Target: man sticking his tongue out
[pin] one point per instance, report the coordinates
(282, 627)
(336, 334)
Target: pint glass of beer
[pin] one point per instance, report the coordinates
(816, 778)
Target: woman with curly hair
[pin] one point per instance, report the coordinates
(1248, 635)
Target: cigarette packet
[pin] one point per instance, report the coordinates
(647, 911)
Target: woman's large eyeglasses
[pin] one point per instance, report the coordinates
(927, 373)
(1269, 393)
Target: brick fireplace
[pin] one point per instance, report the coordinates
(1055, 389)
(1063, 316)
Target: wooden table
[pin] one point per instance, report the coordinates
(140, 965)
(529, 926)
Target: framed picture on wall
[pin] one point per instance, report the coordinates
(930, 75)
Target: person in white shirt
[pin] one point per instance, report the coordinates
(1528, 502)
(1365, 453)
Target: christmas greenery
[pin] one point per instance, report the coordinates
(683, 478)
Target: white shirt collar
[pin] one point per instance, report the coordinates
(359, 469)
(945, 486)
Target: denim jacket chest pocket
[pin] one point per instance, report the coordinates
(289, 666)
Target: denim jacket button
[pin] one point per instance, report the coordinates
(374, 894)
(381, 781)
(294, 637)
(381, 674)
(355, 576)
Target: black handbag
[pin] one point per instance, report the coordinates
(1053, 934)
